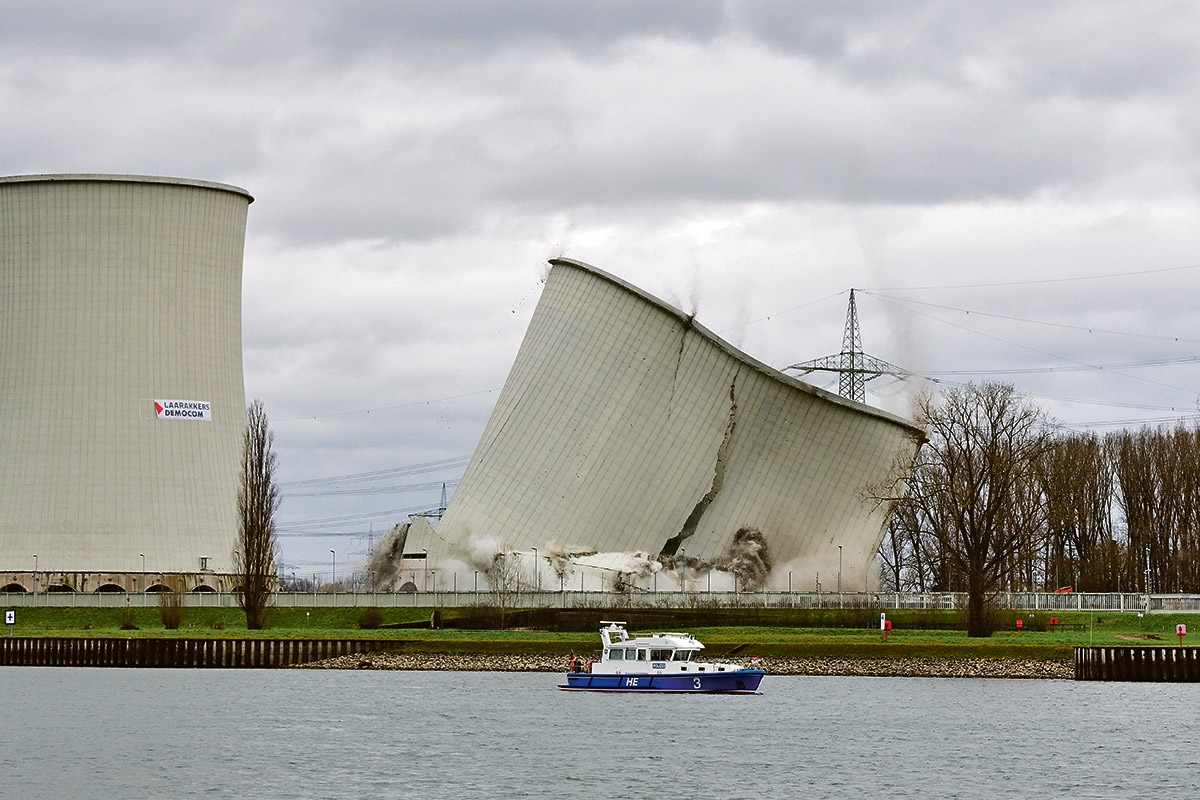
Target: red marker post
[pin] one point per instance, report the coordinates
(1181, 631)
(1020, 624)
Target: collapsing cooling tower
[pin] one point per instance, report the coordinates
(626, 426)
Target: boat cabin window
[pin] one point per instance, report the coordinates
(683, 655)
(660, 655)
(642, 654)
(616, 654)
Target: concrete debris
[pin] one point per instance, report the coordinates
(383, 565)
(749, 559)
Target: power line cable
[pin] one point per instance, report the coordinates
(414, 404)
(454, 462)
(742, 325)
(347, 519)
(1040, 281)
(1048, 354)
(1157, 362)
(967, 311)
(366, 490)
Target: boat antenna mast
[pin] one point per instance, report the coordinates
(853, 366)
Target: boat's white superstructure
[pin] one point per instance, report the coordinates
(659, 653)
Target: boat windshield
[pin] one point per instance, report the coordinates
(683, 655)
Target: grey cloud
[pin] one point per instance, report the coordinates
(876, 106)
(487, 26)
(1077, 48)
(433, 31)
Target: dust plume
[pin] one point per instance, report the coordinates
(383, 565)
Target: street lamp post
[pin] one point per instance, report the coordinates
(35, 575)
(537, 584)
(425, 570)
(476, 581)
(333, 575)
(143, 555)
(682, 569)
(1147, 575)
(839, 569)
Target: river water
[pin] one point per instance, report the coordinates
(113, 733)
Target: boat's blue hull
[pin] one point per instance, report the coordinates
(743, 681)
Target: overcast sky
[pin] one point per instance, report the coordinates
(1013, 187)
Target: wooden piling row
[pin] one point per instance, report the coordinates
(177, 653)
(1149, 664)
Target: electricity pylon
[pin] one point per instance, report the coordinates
(853, 366)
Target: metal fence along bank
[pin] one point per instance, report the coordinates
(195, 653)
(1138, 664)
(1018, 601)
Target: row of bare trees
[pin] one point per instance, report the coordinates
(999, 500)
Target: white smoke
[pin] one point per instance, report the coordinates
(480, 550)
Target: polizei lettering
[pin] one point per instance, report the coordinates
(183, 409)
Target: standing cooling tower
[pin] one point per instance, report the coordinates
(121, 398)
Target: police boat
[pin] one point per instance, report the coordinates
(660, 662)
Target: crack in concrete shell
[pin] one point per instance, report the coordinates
(671, 546)
(687, 326)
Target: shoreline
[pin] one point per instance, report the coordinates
(839, 667)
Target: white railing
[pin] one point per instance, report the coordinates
(1033, 601)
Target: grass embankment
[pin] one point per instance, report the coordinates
(788, 633)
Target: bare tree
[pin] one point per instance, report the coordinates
(170, 604)
(973, 481)
(1118, 513)
(1077, 483)
(508, 581)
(893, 555)
(258, 499)
(1158, 493)
(908, 554)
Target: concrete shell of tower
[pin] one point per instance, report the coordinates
(118, 291)
(623, 422)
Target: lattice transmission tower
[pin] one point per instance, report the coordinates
(853, 366)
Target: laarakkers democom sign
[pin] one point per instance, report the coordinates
(183, 409)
